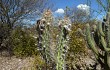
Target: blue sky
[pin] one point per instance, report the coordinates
(61, 4)
(73, 3)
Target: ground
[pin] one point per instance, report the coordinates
(16, 63)
(27, 63)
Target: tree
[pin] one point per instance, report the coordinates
(14, 11)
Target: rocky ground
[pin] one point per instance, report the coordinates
(16, 63)
(13, 63)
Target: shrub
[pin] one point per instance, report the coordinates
(76, 42)
(23, 43)
(38, 62)
(77, 46)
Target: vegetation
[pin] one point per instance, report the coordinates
(23, 43)
(76, 40)
(99, 41)
(77, 47)
(55, 44)
(102, 42)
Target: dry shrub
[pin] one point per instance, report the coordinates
(77, 47)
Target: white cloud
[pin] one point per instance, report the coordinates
(84, 8)
(59, 11)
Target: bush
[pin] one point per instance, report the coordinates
(77, 46)
(38, 62)
(77, 43)
(23, 43)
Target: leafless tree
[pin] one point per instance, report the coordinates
(13, 11)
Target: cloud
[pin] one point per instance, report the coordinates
(84, 8)
(59, 11)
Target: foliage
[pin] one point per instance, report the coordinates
(5, 40)
(21, 9)
(77, 46)
(4, 30)
(23, 43)
(76, 42)
(38, 62)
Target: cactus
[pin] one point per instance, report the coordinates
(62, 41)
(60, 55)
(62, 47)
(44, 36)
(46, 45)
(100, 40)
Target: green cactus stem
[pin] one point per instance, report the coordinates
(100, 29)
(90, 40)
(102, 37)
(60, 59)
(62, 47)
(103, 59)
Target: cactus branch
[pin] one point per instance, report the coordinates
(100, 29)
(90, 41)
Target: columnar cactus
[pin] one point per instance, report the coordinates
(44, 35)
(99, 42)
(60, 55)
(62, 44)
(47, 15)
(62, 41)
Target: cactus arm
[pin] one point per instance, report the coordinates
(104, 44)
(102, 35)
(108, 46)
(90, 41)
(108, 37)
(100, 29)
